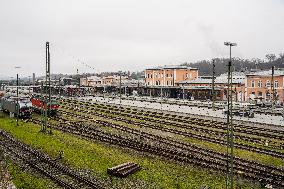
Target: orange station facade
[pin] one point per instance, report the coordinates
(253, 86)
(169, 75)
(259, 86)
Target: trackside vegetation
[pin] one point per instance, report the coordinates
(95, 157)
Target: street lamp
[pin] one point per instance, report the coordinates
(230, 142)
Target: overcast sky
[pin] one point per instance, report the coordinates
(112, 35)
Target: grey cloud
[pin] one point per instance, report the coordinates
(126, 34)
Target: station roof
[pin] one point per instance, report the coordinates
(218, 80)
(263, 73)
(238, 77)
(202, 88)
(171, 67)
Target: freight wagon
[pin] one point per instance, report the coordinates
(40, 103)
(241, 109)
(9, 104)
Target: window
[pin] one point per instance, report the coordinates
(260, 94)
(186, 75)
(259, 84)
(171, 75)
(167, 75)
(157, 82)
(267, 83)
(151, 76)
(167, 82)
(252, 83)
(148, 75)
(275, 84)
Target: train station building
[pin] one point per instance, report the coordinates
(169, 75)
(201, 88)
(260, 88)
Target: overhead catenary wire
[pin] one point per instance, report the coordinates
(76, 60)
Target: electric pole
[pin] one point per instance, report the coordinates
(59, 87)
(42, 110)
(29, 85)
(47, 102)
(120, 90)
(182, 91)
(17, 106)
(49, 82)
(213, 85)
(273, 88)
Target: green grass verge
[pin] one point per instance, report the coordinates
(97, 157)
(262, 158)
(25, 180)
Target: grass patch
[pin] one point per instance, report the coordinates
(97, 157)
(25, 180)
(262, 158)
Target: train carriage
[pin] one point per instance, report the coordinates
(10, 104)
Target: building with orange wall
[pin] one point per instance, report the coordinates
(259, 86)
(169, 75)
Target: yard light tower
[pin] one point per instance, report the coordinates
(230, 134)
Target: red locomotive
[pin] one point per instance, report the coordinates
(39, 103)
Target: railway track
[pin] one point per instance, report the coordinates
(218, 139)
(179, 152)
(62, 175)
(258, 110)
(185, 120)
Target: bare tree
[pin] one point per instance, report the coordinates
(270, 57)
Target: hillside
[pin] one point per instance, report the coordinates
(205, 66)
